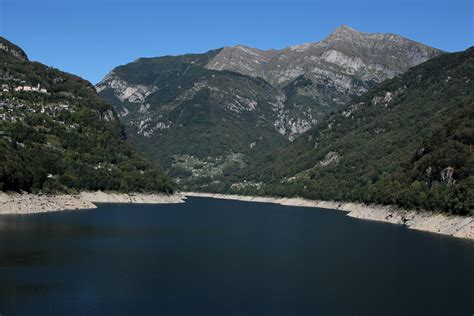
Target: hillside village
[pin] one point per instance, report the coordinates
(26, 88)
(14, 110)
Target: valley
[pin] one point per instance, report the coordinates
(365, 118)
(244, 101)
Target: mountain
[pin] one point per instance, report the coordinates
(347, 62)
(58, 134)
(408, 141)
(203, 116)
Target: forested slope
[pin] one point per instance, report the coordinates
(407, 142)
(58, 134)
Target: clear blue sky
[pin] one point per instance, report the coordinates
(89, 38)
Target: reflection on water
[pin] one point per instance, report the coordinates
(218, 257)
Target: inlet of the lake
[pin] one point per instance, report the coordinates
(220, 257)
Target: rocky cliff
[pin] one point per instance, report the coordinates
(320, 76)
(346, 52)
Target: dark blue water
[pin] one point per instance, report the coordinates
(216, 257)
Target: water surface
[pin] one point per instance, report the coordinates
(218, 257)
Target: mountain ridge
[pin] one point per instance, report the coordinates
(343, 34)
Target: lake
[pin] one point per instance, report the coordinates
(220, 257)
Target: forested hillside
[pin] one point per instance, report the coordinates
(58, 135)
(409, 141)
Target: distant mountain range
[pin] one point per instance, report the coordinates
(58, 135)
(208, 115)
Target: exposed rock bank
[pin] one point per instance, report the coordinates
(15, 203)
(456, 226)
(144, 198)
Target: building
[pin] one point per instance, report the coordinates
(32, 89)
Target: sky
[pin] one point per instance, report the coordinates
(90, 38)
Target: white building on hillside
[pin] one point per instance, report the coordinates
(33, 89)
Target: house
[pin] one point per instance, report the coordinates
(33, 89)
(23, 88)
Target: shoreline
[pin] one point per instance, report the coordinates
(27, 203)
(133, 198)
(450, 225)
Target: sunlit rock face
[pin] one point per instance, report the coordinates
(347, 52)
(345, 64)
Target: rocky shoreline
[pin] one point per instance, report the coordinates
(455, 226)
(142, 198)
(16, 203)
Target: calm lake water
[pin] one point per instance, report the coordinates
(217, 257)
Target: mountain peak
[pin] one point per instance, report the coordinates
(344, 30)
(352, 51)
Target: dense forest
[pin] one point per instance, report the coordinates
(409, 142)
(65, 137)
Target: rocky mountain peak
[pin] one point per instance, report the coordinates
(344, 30)
(345, 52)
